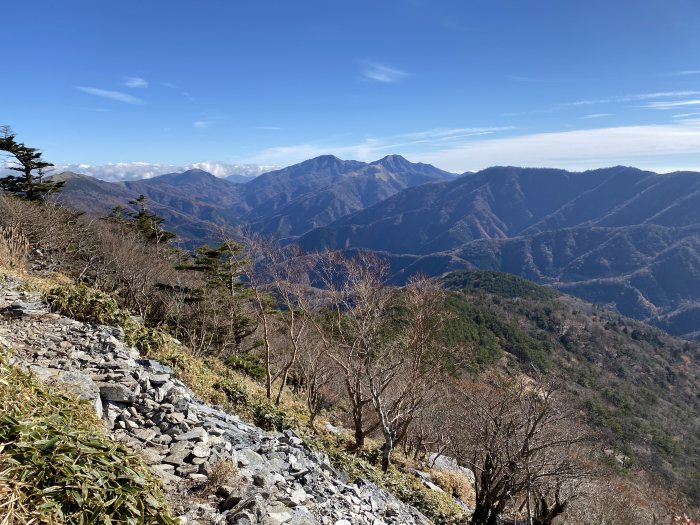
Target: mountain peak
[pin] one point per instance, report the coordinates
(394, 162)
(70, 175)
(189, 176)
(323, 159)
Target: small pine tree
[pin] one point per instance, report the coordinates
(27, 161)
(147, 223)
(221, 266)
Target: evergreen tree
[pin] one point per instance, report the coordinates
(223, 298)
(30, 184)
(147, 223)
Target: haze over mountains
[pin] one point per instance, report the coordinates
(117, 171)
(618, 236)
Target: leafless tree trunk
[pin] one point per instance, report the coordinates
(522, 437)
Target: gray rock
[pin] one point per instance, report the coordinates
(185, 470)
(76, 383)
(116, 392)
(154, 366)
(201, 451)
(177, 458)
(448, 464)
(197, 434)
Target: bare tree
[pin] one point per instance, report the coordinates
(521, 443)
(289, 272)
(354, 328)
(278, 277)
(383, 341)
(256, 271)
(317, 372)
(403, 373)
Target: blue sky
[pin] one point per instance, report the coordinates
(462, 84)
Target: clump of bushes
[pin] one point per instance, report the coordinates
(268, 417)
(90, 305)
(249, 364)
(56, 466)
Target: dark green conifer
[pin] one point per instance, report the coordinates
(30, 184)
(149, 225)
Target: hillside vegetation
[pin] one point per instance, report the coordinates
(58, 467)
(401, 369)
(639, 385)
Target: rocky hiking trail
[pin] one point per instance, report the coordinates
(279, 479)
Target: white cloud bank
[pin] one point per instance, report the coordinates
(663, 148)
(119, 171)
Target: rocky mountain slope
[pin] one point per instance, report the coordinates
(280, 480)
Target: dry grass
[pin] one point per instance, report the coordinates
(14, 247)
(223, 473)
(33, 282)
(454, 484)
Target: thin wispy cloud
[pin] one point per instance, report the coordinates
(372, 148)
(201, 124)
(672, 104)
(111, 95)
(686, 115)
(269, 128)
(543, 80)
(136, 82)
(637, 97)
(687, 72)
(439, 133)
(633, 98)
(597, 115)
(657, 147)
(185, 94)
(381, 73)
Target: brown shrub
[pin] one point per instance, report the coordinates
(454, 484)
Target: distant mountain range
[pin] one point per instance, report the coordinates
(619, 236)
(286, 203)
